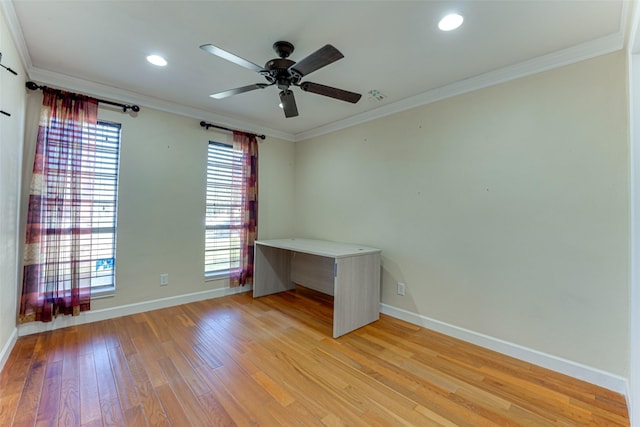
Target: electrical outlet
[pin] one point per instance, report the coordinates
(400, 288)
(164, 279)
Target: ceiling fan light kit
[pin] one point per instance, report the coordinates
(284, 73)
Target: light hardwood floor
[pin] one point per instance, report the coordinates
(272, 362)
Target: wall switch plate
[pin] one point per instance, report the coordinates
(164, 279)
(400, 288)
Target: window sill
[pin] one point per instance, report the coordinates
(220, 275)
(103, 292)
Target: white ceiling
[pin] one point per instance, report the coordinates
(99, 47)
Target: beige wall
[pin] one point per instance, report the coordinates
(504, 210)
(161, 196)
(12, 100)
(161, 201)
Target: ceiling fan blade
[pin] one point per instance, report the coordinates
(332, 92)
(231, 57)
(238, 90)
(288, 103)
(318, 59)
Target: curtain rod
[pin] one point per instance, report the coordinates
(210, 125)
(125, 107)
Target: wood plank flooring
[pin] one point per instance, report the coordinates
(272, 362)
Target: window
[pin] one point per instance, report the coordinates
(224, 202)
(84, 229)
(102, 215)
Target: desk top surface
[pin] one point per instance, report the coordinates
(319, 247)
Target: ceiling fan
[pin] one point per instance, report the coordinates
(285, 73)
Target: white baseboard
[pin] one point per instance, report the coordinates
(629, 400)
(586, 373)
(125, 310)
(576, 370)
(8, 346)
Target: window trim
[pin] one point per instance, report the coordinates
(104, 291)
(223, 273)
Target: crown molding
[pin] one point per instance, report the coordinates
(63, 81)
(16, 32)
(547, 62)
(633, 28)
(75, 84)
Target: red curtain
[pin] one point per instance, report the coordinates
(245, 221)
(57, 259)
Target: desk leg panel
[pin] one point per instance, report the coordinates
(313, 271)
(357, 293)
(272, 271)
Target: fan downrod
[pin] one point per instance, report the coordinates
(283, 49)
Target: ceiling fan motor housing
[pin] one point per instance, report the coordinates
(277, 71)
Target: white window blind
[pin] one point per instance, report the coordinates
(224, 203)
(80, 208)
(104, 206)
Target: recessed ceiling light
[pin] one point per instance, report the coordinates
(450, 22)
(157, 60)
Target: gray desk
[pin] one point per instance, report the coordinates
(351, 273)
